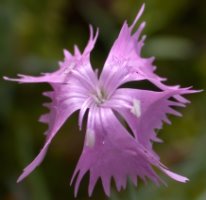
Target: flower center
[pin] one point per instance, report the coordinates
(99, 96)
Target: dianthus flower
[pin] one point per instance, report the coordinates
(121, 122)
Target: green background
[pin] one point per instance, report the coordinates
(33, 34)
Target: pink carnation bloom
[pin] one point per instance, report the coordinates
(110, 149)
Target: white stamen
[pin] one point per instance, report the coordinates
(99, 93)
(136, 108)
(90, 138)
(99, 97)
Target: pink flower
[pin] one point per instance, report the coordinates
(121, 122)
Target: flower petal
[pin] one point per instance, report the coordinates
(70, 63)
(59, 112)
(126, 53)
(154, 108)
(113, 146)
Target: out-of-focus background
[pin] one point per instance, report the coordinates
(33, 34)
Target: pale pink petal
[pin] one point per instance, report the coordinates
(60, 110)
(115, 154)
(126, 53)
(154, 108)
(70, 63)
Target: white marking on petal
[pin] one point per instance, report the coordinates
(90, 138)
(136, 108)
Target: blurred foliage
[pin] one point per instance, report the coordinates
(32, 36)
